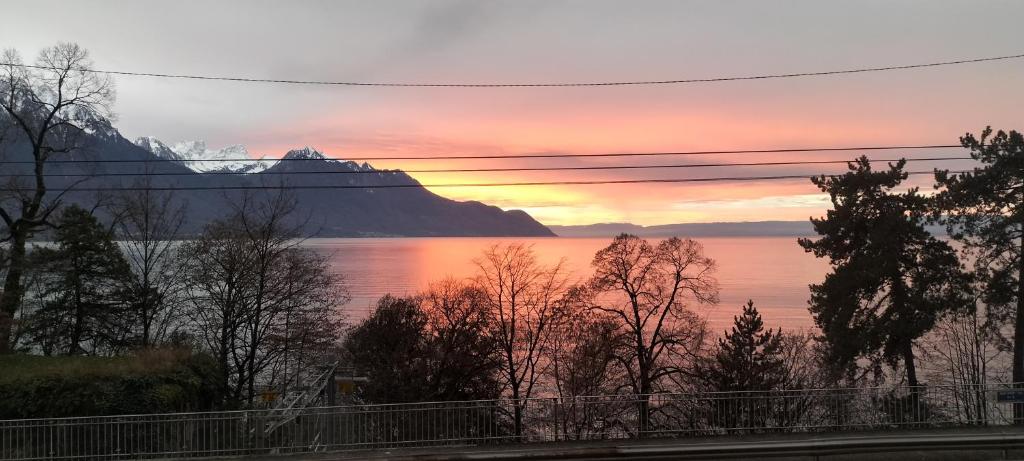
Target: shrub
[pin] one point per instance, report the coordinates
(154, 381)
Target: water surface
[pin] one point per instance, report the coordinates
(773, 271)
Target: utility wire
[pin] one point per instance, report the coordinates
(516, 156)
(444, 185)
(536, 85)
(484, 170)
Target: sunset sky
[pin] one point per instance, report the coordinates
(542, 41)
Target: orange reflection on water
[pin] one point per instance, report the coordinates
(773, 271)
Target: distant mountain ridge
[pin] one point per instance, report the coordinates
(197, 157)
(711, 229)
(337, 198)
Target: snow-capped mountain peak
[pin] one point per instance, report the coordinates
(310, 153)
(101, 127)
(305, 153)
(157, 148)
(235, 158)
(197, 156)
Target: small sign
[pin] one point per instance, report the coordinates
(1010, 395)
(346, 387)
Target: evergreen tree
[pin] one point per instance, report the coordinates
(983, 210)
(80, 286)
(890, 278)
(749, 358)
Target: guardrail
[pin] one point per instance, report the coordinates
(235, 433)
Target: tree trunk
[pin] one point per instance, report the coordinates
(916, 411)
(147, 299)
(13, 290)
(643, 406)
(644, 414)
(145, 328)
(518, 415)
(899, 304)
(517, 409)
(1018, 336)
(222, 359)
(908, 362)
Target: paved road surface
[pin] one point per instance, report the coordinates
(959, 444)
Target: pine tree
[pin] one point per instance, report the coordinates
(982, 209)
(749, 358)
(81, 283)
(748, 363)
(890, 279)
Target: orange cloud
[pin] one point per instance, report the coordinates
(722, 118)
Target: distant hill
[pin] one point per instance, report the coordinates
(714, 229)
(356, 212)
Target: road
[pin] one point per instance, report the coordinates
(957, 444)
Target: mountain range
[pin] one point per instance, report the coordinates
(197, 157)
(711, 229)
(336, 198)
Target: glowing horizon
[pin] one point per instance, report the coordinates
(543, 41)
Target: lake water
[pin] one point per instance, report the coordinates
(773, 271)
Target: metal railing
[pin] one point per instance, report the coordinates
(235, 433)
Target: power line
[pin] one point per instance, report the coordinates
(498, 184)
(537, 85)
(519, 156)
(485, 170)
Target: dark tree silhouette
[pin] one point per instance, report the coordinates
(582, 364)
(464, 357)
(148, 223)
(983, 210)
(432, 347)
(80, 284)
(524, 299)
(752, 360)
(428, 348)
(390, 349)
(583, 354)
(890, 278)
(257, 295)
(645, 289)
(48, 108)
(749, 358)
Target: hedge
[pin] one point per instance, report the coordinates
(155, 381)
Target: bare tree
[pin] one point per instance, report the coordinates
(523, 297)
(646, 288)
(804, 359)
(49, 106)
(218, 283)
(148, 223)
(434, 346)
(966, 353)
(306, 332)
(582, 353)
(259, 297)
(583, 365)
(463, 353)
